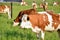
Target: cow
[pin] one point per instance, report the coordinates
(44, 6)
(41, 22)
(5, 9)
(23, 3)
(55, 3)
(21, 13)
(34, 5)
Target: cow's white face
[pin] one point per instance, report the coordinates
(15, 23)
(25, 23)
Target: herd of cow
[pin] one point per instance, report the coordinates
(37, 21)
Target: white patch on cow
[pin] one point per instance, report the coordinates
(36, 29)
(42, 35)
(6, 10)
(34, 4)
(58, 27)
(49, 27)
(26, 24)
(44, 18)
(42, 12)
(24, 18)
(54, 3)
(15, 23)
(23, 3)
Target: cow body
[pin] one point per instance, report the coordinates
(5, 9)
(41, 22)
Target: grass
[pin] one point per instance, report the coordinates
(8, 32)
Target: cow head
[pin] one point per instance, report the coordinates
(18, 19)
(21, 13)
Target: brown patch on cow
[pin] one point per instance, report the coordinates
(55, 24)
(59, 18)
(43, 18)
(55, 17)
(40, 20)
(2, 7)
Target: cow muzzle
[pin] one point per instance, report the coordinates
(15, 23)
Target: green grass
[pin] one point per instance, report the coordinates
(8, 32)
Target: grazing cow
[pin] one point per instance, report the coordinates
(23, 3)
(5, 9)
(44, 21)
(21, 13)
(44, 6)
(34, 5)
(55, 3)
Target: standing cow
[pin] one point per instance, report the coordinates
(44, 21)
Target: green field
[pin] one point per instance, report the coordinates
(8, 32)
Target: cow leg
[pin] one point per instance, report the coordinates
(9, 14)
(42, 35)
(8, 11)
(37, 31)
(58, 32)
(38, 35)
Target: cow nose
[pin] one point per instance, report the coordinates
(22, 27)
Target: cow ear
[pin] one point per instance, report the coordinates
(27, 18)
(22, 13)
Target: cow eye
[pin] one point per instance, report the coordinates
(27, 18)
(14, 20)
(20, 20)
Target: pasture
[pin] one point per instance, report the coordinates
(8, 32)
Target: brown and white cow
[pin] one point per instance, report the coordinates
(44, 21)
(34, 5)
(44, 6)
(5, 9)
(55, 3)
(21, 13)
(23, 3)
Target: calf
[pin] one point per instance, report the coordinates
(5, 9)
(44, 21)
